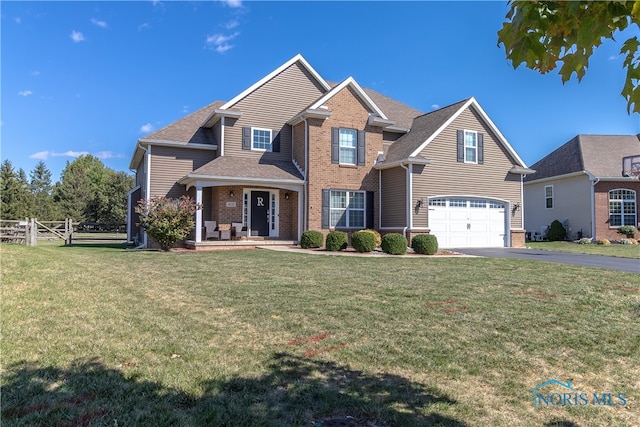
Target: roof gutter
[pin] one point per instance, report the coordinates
(401, 163)
(310, 113)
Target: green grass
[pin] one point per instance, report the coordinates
(106, 336)
(623, 251)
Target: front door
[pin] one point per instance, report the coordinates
(259, 213)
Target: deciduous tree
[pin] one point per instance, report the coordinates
(543, 34)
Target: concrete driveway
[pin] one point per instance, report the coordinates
(612, 263)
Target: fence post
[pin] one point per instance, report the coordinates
(34, 232)
(69, 231)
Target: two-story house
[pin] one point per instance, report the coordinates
(295, 152)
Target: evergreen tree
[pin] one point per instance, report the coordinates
(80, 181)
(17, 201)
(42, 191)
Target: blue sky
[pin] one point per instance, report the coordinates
(93, 77)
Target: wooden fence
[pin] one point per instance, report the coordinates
(30, 230)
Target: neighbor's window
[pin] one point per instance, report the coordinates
(347, 209)
(261, 139)
(548, 196)
(348, 146)
(622, 208)
(470, 146)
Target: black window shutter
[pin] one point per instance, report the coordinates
(335, 145)
(246, 138)
(370, 209)
(275, 144)
(461, 146)
(326, 199)
(480, 148)
(361, 148)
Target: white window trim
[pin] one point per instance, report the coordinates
(347, 209)
(552, 197)
(355, 149)
(622, 203)
(465, 146)
(253, 148)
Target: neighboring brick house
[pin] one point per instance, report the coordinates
(590, 184)
(295, 152)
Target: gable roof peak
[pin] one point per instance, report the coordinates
(350, 81)
(296, 59)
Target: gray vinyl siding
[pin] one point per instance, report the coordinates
(393, 197)
(571, 201)
(168, 165)
(270, 107)
(447, 176)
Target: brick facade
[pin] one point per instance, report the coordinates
(601, 195)
(347, 111)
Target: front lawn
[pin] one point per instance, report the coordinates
(623, 251)
(105, 336)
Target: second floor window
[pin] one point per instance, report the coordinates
(348, 146)
(470, 146)
(261, 139)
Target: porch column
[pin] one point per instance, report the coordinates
(199, 214)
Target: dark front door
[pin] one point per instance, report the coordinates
(259, 213)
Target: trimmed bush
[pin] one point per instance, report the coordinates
(394, 244)
(336, 241)
(556, 231)
(377, 236)
(426, 244)
(363, 241)
(311, 239)
(628, 230)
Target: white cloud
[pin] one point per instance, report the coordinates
(435, 106)
(99, 23)
(219, 42)
(143, 26)
(107, 155)
(612, 58)
(77, 36)
(25, 93)
(146, 128)
(40, 155)
(233, 3)
(231, 24)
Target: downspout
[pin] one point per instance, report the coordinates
(594, 182)
(408, 201)
(379, 199)
(221, 151)
(148, 188)
(305, 209)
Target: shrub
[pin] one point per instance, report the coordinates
(167, 220)
(311, 239)
(336, 241)
(584, 241)
(378, 238)
(394, 244)
(628, 230)
(604, 242)
(426, 244)
(363, 241)
(556, 231)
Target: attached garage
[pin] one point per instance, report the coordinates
(460, 222)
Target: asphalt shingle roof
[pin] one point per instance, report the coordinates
(600, 155)
(187, 129)
(247, 167)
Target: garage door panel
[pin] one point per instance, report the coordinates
(481, 223)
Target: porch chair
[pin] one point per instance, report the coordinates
(225, 231)
(239, 230)
(210, 230)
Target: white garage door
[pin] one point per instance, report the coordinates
(467, 222)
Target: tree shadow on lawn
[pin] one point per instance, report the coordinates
(294, 391)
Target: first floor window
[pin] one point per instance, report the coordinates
(347, 209)
(261, 139)
(622, 208)
(548, 196)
